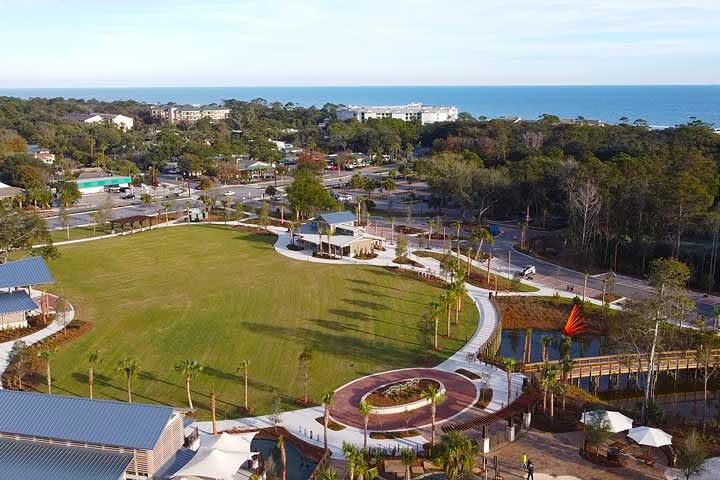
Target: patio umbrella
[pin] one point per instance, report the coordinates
(652, 437)
(616, 421)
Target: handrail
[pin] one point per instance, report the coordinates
(624, 357)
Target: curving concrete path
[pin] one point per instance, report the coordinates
(303, 422)
(54, 327)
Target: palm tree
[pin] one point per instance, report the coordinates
(244, 364)
(326, 399)
(434, 396)
(435, 309)
(128, 368)
(45, 356)
(431, 225)
(93, 358)
(407, 456)
(509, 364)
(328, 473)
(166, 206)
(458, 226)
(351, 453)
(447, 301)
(456, 455)
(283, 457)
(545, 342)
(480, 236)
(459, 292)
(225, 203)
(365, 409)
(189, 369)
(547, 382)
(527, 350)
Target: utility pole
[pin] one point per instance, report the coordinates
(585, 286)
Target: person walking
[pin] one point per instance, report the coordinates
(531, 471)
(524, 461)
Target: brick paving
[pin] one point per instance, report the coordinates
(460, 392)
(558, 454)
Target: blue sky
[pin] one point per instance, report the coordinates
(81, 43)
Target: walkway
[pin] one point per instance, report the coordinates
(304, 422)
(54, 327)
(460, 394)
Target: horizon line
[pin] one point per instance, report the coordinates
(713, 84)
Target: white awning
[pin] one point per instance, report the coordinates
(239, 442)
(213, 464)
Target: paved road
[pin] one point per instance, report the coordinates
(557, 277)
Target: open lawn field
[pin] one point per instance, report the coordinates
(219, 296)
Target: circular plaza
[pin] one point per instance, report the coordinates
(404, 409)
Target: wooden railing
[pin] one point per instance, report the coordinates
(492, 344)
(628, 363)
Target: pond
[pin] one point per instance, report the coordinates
(298, 467)
(513, 341)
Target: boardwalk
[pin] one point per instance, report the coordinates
(627, 363)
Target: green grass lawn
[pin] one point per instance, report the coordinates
(77, 233)
(219, 296)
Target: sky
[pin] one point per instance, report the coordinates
(83, 43)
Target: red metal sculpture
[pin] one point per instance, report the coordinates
(575, 323)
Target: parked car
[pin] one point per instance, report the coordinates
(129, 196)
(344, 197)
(229, 193)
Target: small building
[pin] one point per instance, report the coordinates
(345, 238)
(8, 191)
(122, 122)
(93, 184)
(41, 153)
(16, 281)
(140, 438)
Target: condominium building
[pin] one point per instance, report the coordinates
(412, 112)
(188, 113)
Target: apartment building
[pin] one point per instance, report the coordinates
(188, 113)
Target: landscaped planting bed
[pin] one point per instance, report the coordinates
(379, 398)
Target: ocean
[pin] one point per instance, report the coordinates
(660, 106)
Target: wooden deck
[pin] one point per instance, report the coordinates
(627, 363)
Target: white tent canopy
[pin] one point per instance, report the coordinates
(230, 443)
(213, 464)
(653, 437)
(616, 421)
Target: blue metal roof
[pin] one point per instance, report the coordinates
(21, 273)
(21, 460)
(76, 419)
(17, 301)
(338, 217)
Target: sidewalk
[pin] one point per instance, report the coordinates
(54, 327)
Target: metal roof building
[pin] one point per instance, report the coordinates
(76, 419)
(335, 218)
(24, 273)
(17, 301)
(20, 460)
(150, 433)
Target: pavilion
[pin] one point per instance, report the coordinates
(17, 279)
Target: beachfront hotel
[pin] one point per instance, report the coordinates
(409, 113)
(188, 113)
